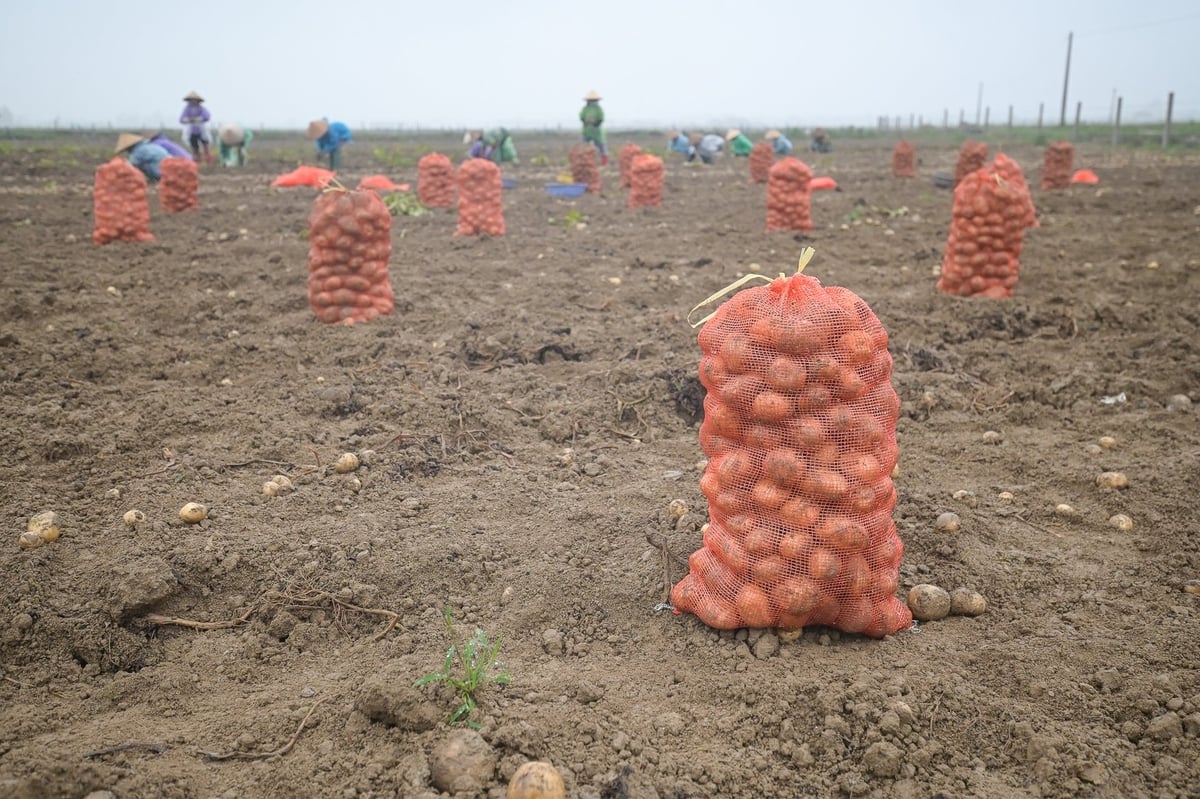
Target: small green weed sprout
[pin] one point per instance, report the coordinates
(466, 670)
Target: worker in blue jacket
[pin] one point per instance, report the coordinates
(329, 138)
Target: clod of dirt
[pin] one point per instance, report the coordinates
(139, 586)
(1179, 403)
(391, 702)
(462, 762)
(883, 759)
(966, 498)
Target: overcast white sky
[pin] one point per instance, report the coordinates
(527, 63)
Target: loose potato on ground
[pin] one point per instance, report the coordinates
(965, 602)
(193, 513)
(536, 780)
(929, 602)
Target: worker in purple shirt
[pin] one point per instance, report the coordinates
(195, 118)
(173, 149)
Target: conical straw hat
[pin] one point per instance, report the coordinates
(317, 128)
(772, 134)
(193, 97)
(592, 95)
(126, 140)
(732, 134)
(231, 135)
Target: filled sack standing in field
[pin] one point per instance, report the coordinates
(1010, 170)
(120, 203)
(350, 242)
(480, 207)
(435, 181)
(789, 196)
(762, 155)
(179, 185)
(646, 181)
(987, 232)
(312, 176)
(904, 160)
(971, 156)
(584, 169)
(800, 433)
(1057, 162)
(625, 160)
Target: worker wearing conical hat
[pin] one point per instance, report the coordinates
(780, 143)
(329, 138)
(592, 117)
(739, 143)
(143, 153)
(195, 118)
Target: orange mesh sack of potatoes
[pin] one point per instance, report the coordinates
(1058, 162)
(179, 184)
(435, 181)
(904, 160)
(789, 196)
(350, 242)
(625, 160)
(120, 203)
(480, 210)
(646, 181)
(971, 156)
(800, 433)
(584, 169)
(762, 155)
(987, 233)
(1011, 171)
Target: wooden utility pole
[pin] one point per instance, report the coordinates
(1117, 122)
(1062, 123)
(1078, 112)
(987, 114)
(945, 119)
(1010, 117)
(1041, 110)
(1167, 123)
(978, 104)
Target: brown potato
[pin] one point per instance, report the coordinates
(193, 513)
(929, 602)
(965, 602)
(1112, 480)
(536, 780)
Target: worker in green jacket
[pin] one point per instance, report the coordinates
(592, 117)
(738, 143)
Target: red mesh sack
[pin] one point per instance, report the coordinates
(1010, 170)
(800, 433)
(380, 183)
(1085, 176)
(789, 198)
(625, 161)
(762, 155)
(904, 160)
(583, 167)
(120, 203)
(311, 176)
(350, 242)
(971, 156)
(986, 235)
(480, 210)
(435, 181)
(1058, 162)
(179, 184)
(646, 180)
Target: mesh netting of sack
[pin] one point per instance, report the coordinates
(800, 433)
(350, 242)
(1058, 161)
(435, 181)
(179, 186)
(789, 196)
(646, 181)
(987, 232)
(625, 158)
(583, 167)
(120, 203)
(1011, 171)
(762, 155)
(480, 204)
(971, 156)
(904, 160)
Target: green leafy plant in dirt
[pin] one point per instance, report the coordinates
(404, 204)
(467, 669)
(570, 219)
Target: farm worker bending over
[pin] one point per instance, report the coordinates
(173, 149)
(821, 142)
(738, 143)
(143, 154)
(329, 137)
(195, 119)
(592, 117)
(708, 146)
(779, 142)
(677, 142)
(231, 144)
(495, 144)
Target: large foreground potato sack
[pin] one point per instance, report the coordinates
(646, 181)
(480, 205)
(762, 155)
(1058, 162)
(625, 161)
(904, 160)
(177, 191)
(971, 156)
(435, 181)
(350, 242)
(800, 433)
(987, 231)
(120, 203)
(584, 169)
(789, 196)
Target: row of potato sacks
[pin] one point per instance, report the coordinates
(121, 197)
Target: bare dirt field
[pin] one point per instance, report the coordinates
(524, 419)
